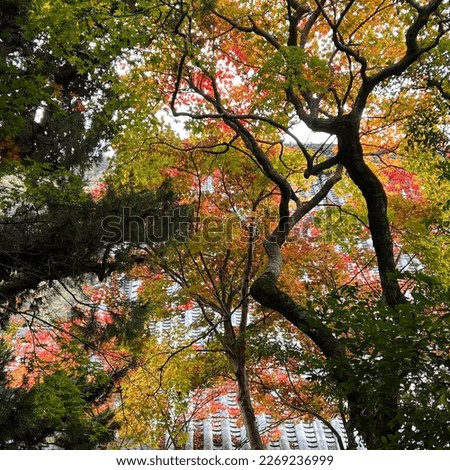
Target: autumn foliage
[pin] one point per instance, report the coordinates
(277, 187)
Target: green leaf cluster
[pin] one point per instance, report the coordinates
(403, 348)
(294, 67)
(54, 413)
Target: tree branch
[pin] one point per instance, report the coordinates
(438, 85)
(319, 167)
(265, 291)
(412, 54)
(249, 29)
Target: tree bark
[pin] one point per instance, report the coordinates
(350, 154)
(236, 351)
(236, 346)
(245, 401)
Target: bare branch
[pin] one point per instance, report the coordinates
(249, 29)
(438, 85)
(413, 52)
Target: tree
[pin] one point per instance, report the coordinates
(57, 129)
(47, 136)
(259, 69)
(57, 109)
(206, 273)
(242, 77)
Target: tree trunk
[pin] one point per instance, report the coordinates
(372, 420)
(380, 421)
(236, 351)
(350, 154)
(245, 404)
